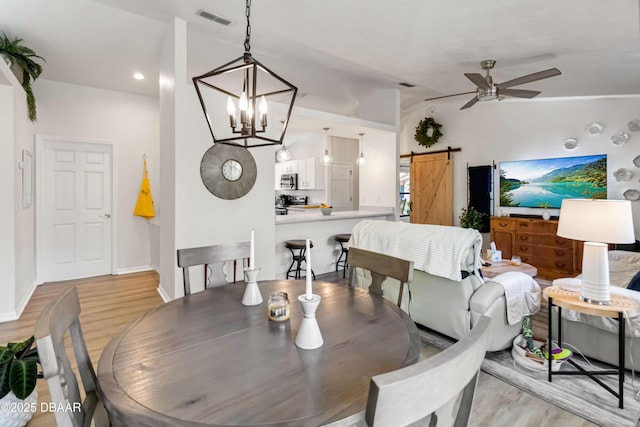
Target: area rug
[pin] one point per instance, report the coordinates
(576, 394)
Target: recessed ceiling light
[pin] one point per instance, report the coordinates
(138, 76)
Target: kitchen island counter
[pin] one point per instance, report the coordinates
(316, 215)
(321, 229)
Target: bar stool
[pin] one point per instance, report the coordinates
(298, 257)
(344, 251)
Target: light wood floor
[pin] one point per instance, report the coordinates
(109, 303)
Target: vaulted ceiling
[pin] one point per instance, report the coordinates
(338, 52)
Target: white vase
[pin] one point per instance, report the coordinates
(19, 411)
(546, 215)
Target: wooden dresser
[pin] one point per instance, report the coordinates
(536, 242)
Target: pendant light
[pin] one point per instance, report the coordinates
(283, 154)
(237, 83)
(326, 158)
(360, 160)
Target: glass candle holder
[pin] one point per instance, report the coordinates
(515, 260)
(278, 307)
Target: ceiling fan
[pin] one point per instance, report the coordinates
(488, 91)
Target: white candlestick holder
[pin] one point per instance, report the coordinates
(309, 336)
(252, 295)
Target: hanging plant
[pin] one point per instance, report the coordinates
(428, 132)
(25, 58)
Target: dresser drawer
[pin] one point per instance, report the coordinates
(503, 223)
(549, 263)
(536, 226)
(561, 253)
(543, 239)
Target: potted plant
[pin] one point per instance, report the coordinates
(18, 377)
(24, 57)
(471, 218)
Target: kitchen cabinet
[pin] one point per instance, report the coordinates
(311, 174)
(290, 166)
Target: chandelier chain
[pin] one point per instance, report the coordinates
(247, 45)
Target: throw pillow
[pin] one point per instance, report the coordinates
(634, 284)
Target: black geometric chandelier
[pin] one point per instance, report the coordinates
(244, 86)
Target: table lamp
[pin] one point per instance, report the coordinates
(597, 222)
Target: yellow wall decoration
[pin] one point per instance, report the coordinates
(144, 205)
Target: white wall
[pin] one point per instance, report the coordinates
(379, 175)
(131, 121)
(199, 217)
(7, 199)
(532, 129)
(16, 222)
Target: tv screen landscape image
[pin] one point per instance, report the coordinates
(545, 182)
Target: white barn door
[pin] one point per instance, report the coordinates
(75, 208)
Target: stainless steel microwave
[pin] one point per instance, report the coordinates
(289, 181)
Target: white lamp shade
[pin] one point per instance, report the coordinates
(596, 220)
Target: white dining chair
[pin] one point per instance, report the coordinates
(60, 317)
(381, 267)
(435, 392)
(213, 259)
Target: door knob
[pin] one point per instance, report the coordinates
(105, 216)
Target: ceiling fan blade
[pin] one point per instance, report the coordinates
(551, 72)
(519, 93)
(449, 96)
(470, 103)
(478, 80)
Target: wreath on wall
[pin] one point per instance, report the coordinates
(428, 132)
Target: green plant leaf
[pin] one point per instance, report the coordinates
(5, 355)
(4, 379)
(23, 376)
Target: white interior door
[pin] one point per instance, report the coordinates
(341, 186)
(74, 222)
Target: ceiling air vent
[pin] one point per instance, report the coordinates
(215, 18)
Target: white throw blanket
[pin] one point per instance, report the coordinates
(436, 249)
(522, 295)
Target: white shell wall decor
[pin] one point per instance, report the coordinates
(570, 143)
(594, 128)
(634, 125)
(623, 174)
(632, 195)
(636, 161)
(619, 138)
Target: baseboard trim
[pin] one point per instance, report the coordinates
(138, 269)
(15, 315)
(163, 294)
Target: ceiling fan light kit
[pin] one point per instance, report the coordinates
(486, 90)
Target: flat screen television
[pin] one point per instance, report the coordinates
(545, 182)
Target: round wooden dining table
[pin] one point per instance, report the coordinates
(207, 360)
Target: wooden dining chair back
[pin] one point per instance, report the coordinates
(60, 318)
(213, 260)
(442, 386)
(381, 266)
